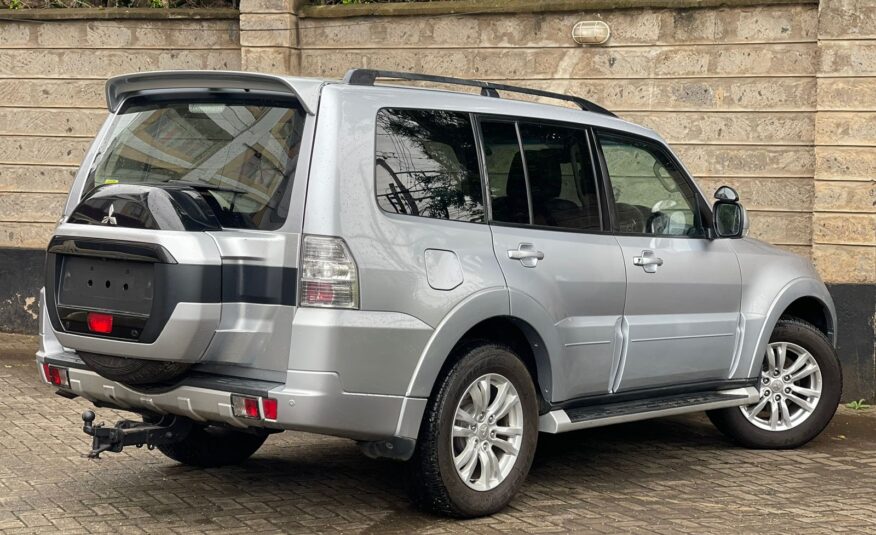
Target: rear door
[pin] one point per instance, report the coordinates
(681, 316)
(548, 237)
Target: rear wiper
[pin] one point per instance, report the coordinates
(206, 186)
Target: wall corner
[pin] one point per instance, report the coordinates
(269, 36)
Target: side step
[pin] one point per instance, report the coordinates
(561, 420)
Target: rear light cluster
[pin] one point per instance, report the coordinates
(55, 375)
(329, 277)
(254, 407)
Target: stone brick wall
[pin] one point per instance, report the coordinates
(733, 89)
(53, 67)
(844, 205)
(775, 98)
(52, 75)
(844, 224)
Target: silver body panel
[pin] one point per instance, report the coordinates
(603, 325)
(680, 320)
(579, 287)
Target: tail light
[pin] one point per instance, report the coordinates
(329, 276)
(254, 408)
(55, 375)
(269, 408)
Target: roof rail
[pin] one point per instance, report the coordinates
(488, 89)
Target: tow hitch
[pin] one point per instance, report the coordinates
(167, 430)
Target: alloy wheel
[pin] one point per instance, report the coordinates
(790, 388)
(487, 432)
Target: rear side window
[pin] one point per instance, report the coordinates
(508, 192)
(426, 165)
(562, 184)
(550, 184)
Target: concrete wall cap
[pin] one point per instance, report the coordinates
(98, 13)
(459, 7)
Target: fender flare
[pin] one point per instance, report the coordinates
(462, 317)
(535, 321)
(518, 307)
(478, 307)
(795, 289)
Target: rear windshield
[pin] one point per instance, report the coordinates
(241, 152)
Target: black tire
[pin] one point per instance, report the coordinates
(433, 481)
(212, 446)
(732, 423)
(134, 371)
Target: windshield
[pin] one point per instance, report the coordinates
(240, 152)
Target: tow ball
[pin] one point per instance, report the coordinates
(167, 430)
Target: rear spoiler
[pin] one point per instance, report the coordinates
(120, 87)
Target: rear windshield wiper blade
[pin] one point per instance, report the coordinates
(206, 186)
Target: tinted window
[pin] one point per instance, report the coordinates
(561, 180)
(243, 152)
(505, 172)
(558, 185)
(426, 165)
(650, 194)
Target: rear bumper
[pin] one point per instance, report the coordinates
(309, 398)
(188, 331)
(308, 401)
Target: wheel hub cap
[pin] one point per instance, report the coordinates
(487, 432)
(790, 388)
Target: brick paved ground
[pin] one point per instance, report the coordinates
(674, 475)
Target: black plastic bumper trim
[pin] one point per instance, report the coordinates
(209, 381)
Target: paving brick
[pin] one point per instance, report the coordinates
(669, 476)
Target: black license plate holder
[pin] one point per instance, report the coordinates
(106, 284)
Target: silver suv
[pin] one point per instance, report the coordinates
(437, 275)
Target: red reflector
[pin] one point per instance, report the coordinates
(56, 376)
(269, 409)
(319, 293)
(100, 323)
(251, 407)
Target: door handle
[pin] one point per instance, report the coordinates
(527, 254)
(648, 261)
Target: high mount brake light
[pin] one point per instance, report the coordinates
(329, 275)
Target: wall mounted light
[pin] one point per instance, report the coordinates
(591, 32)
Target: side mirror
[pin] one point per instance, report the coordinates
(729, 217)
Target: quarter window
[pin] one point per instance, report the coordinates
(650, 193)
(426, 165)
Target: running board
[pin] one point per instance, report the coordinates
(561, 420)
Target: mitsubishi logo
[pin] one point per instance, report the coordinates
(109, 219)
